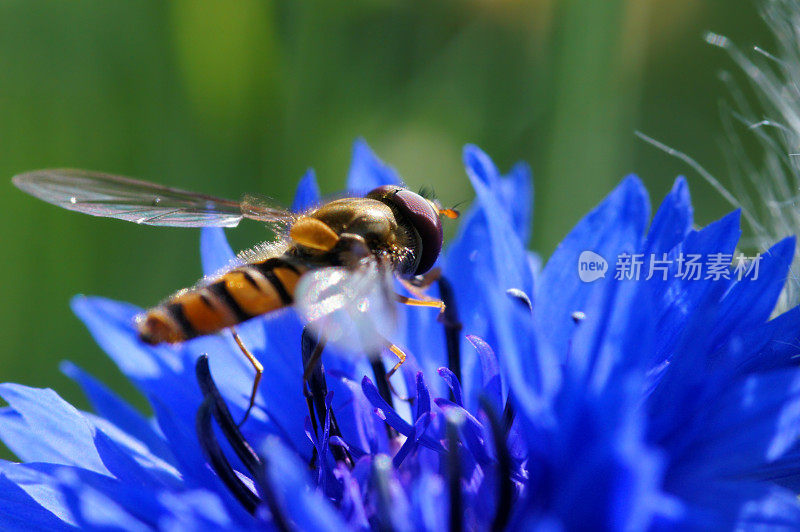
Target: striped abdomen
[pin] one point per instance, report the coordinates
(238, 295)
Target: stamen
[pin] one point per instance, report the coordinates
(213, 404)
(382, 382)
(315, 389)
(505, 486)
(454, 422)
(223, 417)
(520, 297)
(452, 326)
(381, 469)
(217, 460)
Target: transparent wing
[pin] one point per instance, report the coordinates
(137, 201)
(263, 208)
(351, 308)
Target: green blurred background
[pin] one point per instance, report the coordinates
(231, 97)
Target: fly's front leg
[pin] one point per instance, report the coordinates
(401, 358)
(416, 286)
(422, 282)
(433, 303)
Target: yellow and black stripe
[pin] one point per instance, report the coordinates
(236, 296)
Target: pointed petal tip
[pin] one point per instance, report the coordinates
(479, 165)
(307, 193)
(680, 184)
(215, 252)
(783, 251)
(68, 368)
(83, 306)
(680, 193)
(368, 171)
(632, 183)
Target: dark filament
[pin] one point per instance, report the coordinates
(214, 405)
(452, 327)
(315, 390)
(385, 391)
(508, 413)
(215, 457)
(454, 478)
(382, 521)
(505, 487)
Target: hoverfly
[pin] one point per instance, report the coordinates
(335, 263)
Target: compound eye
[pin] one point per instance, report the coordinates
(423, 217)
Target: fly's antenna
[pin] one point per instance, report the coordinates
(451, 213)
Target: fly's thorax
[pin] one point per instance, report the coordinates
(370, 219)
(376, 223)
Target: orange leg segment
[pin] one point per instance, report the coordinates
(432, 303)
(259, 371)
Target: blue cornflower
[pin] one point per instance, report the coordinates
(543, 400)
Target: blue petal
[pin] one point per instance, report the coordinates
(771, 345)
(452, 382)
(42, 427)
(95, 507)
(776, 509)
(514, 191)
(215, 252)
(677, 300)
(411, 444)
(307, 194)
(112, 407)
(492, 387)
(471, 430)
(753, 421)
(123, 464)
(306, 508)
(672, 221)
(517, 191)
(367, 171)
(751, 301)
(530, 365)
(613, 227)
(391, 417)
(281, 386)
(480, 166)
(155, 370)
(468, 264)
(728, 504)
(510, 263)
(19, 511)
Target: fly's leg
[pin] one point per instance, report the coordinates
(313, 361)
(401, 357)
(432, 303)
(417, 285)
(421, 282)
(259, 372)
